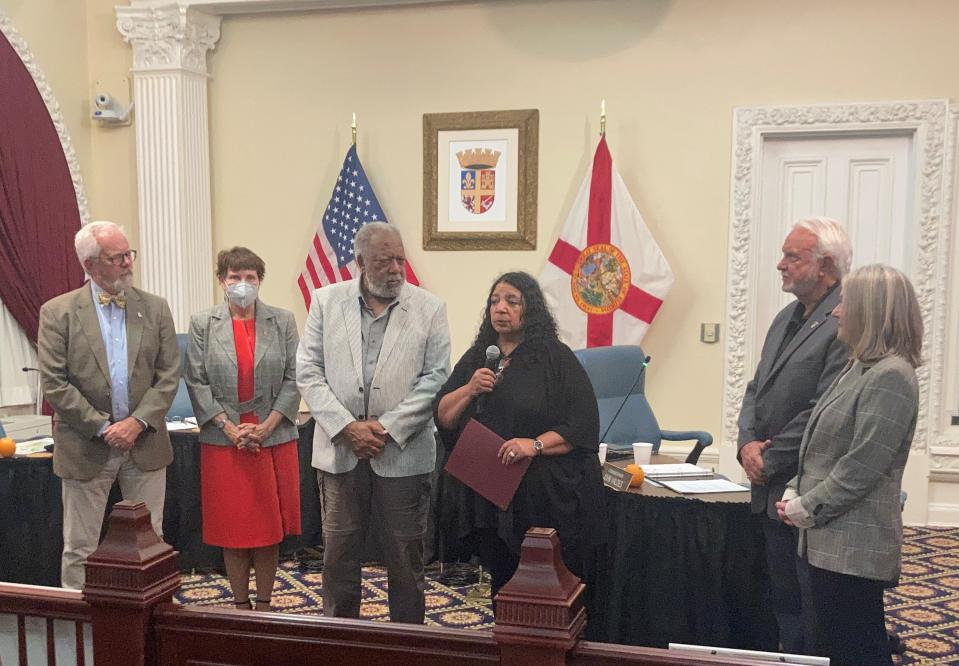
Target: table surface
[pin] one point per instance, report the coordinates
(651, 490)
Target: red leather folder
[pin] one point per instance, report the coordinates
(475, 462)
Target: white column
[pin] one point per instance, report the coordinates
(170, 44)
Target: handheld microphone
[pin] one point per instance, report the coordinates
(626, 398)
(492, 362)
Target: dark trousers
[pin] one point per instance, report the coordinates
(784, 588)
(850, 618)
(347, 501)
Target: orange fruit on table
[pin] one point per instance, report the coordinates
(638, 474)
(7, 447)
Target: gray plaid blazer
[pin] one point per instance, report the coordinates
(211, 371)
(412, 367)
(850, 469)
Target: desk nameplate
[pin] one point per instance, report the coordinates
(616, 477)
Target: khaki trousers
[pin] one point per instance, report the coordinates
(84, 503)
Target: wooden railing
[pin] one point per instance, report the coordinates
(132, 577)
(50, 604)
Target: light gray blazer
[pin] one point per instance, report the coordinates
(850, 469)
(779, 399)
(211, 371)
(412, 367)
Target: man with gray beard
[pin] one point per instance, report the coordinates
(374, 353)
(109, 367)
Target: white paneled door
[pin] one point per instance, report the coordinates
(864, 181)
(885, 170)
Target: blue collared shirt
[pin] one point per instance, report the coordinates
(113, 329)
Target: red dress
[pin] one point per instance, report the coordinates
(250, 499)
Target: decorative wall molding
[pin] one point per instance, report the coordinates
(168, 37)
(944, 463)
(53, 108)
(228, 7)
(927, 121)
(949, 361)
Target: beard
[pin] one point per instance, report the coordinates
(799, 287)
(121, 284)
(384, 289)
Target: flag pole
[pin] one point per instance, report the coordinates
(353, 127)
(602, 118)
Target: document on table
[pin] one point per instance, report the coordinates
(675, 470)
(173, 426)
(701, 486)
(33, 446)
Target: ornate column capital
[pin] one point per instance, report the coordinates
(168, 37)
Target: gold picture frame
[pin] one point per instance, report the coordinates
(480, 180)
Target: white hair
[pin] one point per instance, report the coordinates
(361, 243)
(831, 241)
(86, 243)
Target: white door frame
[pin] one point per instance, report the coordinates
(927, 121)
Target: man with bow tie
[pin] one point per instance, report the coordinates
(109, 367)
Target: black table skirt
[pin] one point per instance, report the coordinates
(31, 520)
(676, 570)
(31, 513)
(683, 571)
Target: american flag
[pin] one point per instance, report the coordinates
(352, 205)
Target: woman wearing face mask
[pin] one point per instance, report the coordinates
(241, 375)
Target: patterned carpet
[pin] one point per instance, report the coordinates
(923, 610)
(298, 590)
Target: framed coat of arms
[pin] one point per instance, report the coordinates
(480, 172)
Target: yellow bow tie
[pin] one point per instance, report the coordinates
(118, 300)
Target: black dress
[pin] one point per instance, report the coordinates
(543, 388)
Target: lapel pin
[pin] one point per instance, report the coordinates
(814, 324)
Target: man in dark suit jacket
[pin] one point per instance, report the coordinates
(800, 358)
(109, 367)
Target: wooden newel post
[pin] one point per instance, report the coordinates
(539, 612)
(131, 572)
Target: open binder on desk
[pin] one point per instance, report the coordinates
(676, 471)
(475, 462)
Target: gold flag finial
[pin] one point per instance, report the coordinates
(602, 118)
(353, 127)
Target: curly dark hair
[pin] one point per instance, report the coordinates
(538, 320)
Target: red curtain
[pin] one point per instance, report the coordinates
(38, 205)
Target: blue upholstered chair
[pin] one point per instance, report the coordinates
(181, 407)
(615, 375)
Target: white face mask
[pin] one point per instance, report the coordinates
(242, 294)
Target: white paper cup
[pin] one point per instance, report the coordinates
(642, 453)
(602, 453)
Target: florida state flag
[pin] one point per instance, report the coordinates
(606, 277)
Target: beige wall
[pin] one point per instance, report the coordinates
(283, 88)
(671, 72)
(112, 179)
